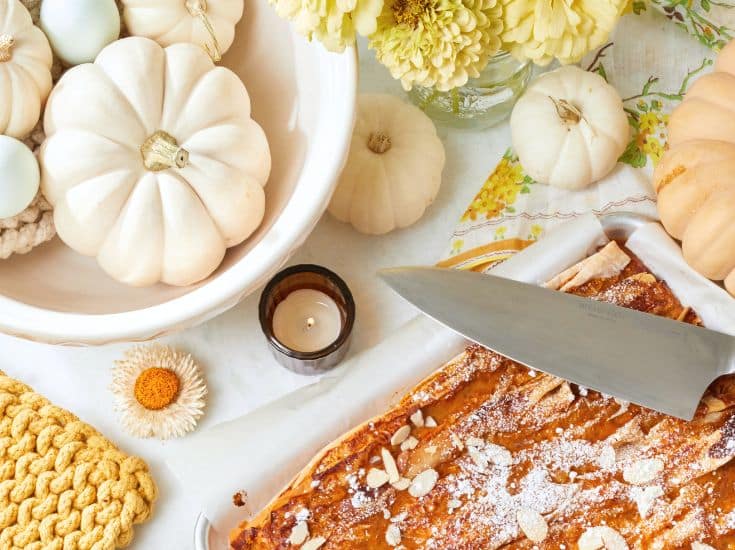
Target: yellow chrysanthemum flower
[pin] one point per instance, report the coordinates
(335, 23)
(439, 43)
(543, 30)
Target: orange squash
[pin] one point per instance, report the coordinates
(695, 179)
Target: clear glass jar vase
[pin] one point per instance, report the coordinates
(482, 102)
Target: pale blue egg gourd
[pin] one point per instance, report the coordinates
(79, 29)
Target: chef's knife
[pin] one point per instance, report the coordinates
(660, 363)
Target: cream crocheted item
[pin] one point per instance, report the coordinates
(32, 227)
(63, 486)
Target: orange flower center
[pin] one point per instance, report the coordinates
(156, 388)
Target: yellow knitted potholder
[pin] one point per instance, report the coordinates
(63, 486)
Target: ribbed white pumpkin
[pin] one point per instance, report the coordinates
(196, 21)
(152, 162)
(25, 70)
(569, 128)
(394, 169)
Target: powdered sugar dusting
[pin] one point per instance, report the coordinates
(518, 452)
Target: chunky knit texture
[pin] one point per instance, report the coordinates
(63, 486)
(32, 227)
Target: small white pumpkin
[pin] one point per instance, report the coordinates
(25, 62)
(152, 162)
(394, 168)
(19, 177)
(569, 128)
(209, 23)
(79, 29)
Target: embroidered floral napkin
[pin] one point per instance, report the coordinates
(654, 54)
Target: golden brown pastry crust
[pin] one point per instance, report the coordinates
(510, 441)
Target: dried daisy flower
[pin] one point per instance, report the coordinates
(333, 22)
(160, 392)
(439, 43)
(543, 30)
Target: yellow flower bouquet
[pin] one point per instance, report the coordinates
(443, 43)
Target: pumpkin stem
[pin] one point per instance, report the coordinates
(567, 112)
(6, 47)
(161, 151)
(379, 143)
(198, 8)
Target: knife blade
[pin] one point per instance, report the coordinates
(656, 362)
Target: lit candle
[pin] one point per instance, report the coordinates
(307, 320)
(307, 313)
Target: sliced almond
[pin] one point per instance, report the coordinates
(429, 422)
(477, 457)
(314, 544)
(607, 457)
(497, 454)
(599, 538)
(423, 483)
(645, 497)
(376, 478)
(299, 533)
(701, 546)
(393, 535)
(399, 518)
(474, 442)
(532, 524)
(409, 444)
(401, 435)
(643, 278)
(418, 418)
(714, 405)
(390, 466)
(643, 471)
(402, 484)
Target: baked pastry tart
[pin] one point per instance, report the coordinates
(486, 453)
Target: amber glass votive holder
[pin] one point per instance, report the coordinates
(315, 277)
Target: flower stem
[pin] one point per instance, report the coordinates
(454, 93)
(198, 8)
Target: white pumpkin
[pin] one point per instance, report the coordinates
(209, 23)
(79, 29)
(569, 128)
(25, 78)
(152, 162)
(393, 171)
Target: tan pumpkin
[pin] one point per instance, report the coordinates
(707, 112)
(695, 179)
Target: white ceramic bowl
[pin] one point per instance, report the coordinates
(304, 97)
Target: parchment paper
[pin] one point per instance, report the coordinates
(262, 451)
